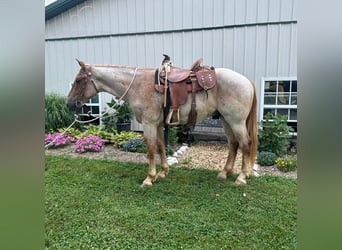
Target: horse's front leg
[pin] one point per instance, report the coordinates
(164, 168)
(150, 134)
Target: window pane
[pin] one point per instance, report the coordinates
(293, 114)
(283, 112)
(294, 98)
(294, 93)
(270, 92)
(95, 110)
(85, 109)
(283, 92)
(293, 125)
(272, 111)
(270, 98)
(294, 86)
(95, 99)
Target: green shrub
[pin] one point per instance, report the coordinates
(274, 134)
(109, 119)
(119, 113)
(57, 114)
(73, 132)
(266, 158)
(134, 145)
(119, 139)
(286, 163)
(99, 131)
(172, 136)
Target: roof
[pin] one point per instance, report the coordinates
(58, 7)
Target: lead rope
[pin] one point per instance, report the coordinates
(100, 116)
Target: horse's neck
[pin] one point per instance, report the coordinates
(114, 80)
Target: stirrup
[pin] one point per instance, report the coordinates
(169, 118)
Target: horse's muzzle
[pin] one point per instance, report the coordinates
(74, 106)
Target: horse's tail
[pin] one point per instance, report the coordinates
(252, 128)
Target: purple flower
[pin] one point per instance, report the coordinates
(58, 140)
(89, 144)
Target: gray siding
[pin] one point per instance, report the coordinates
(257, 38)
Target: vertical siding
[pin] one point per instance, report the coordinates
(256, 51)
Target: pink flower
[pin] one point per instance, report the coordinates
(57, 140)
(89, 144)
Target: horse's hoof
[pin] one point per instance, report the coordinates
(161, 175)
(240, 182)
(222, 176)
(146, 184)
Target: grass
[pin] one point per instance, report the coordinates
(98, 204)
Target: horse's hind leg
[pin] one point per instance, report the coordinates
(164, 168)
(233, 147)
(237, 138)
(240, 132)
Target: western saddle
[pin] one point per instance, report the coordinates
(176, 84)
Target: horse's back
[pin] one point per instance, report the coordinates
(230, 77)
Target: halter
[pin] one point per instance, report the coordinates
(88, 78)
(84, 86)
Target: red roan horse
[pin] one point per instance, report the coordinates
(233, 97)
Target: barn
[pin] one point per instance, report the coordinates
(257, 38)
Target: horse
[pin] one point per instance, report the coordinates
(233, 97)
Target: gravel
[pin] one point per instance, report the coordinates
(205, 155)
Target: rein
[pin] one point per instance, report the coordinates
(100, 116)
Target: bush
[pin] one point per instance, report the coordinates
(274, 134)
(99, 131)
(266, 158)
(118, 113)
(57, 114)
(119, 139)
(172, 138)
(286, 163)
(134, 145)
(73, 132)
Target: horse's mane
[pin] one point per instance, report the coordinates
(117, 66)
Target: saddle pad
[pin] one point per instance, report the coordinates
(206, 77)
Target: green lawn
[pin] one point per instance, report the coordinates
(99, 204)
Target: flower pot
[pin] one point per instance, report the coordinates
(123, 126)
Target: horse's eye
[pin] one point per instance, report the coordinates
(77, 81)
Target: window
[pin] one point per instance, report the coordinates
(280, 98)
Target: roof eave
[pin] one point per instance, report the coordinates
(60, 6)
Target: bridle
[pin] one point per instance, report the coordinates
(80, 94)
(88, 73)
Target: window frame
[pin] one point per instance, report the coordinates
(277, 106)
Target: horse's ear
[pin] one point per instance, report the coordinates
(82, 64)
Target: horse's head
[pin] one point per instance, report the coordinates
(83, 88)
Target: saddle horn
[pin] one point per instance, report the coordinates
(166, 59)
